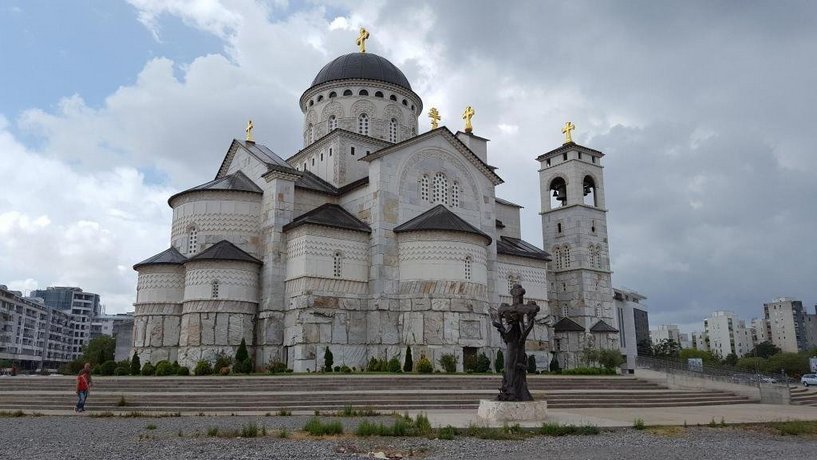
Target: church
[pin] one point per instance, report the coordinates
(372, 238)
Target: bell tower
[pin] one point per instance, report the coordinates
(574, 231)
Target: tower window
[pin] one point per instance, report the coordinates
(559, 227)
(320, 98)
(311, 103)
(393, 130)
(558, 198)
(363, 92)
(393, 97)
(455, 194)
(440, 194)
(333, 94)
(313, 161)
(564, 156)
(467, 268)
(589, 186)
(580, 155)
(353, 151)
(333, 123)
(321, 156)
(348, 92)
(378, 94)
(565, 311)
(566, 254)
(547, 162)
(593, 159)
(330, 151)
(512, 281)
(363, 124)
(337, 266)
(424, 188)
(214, 289)
(192, 240)
(593, 226)
(405, 102)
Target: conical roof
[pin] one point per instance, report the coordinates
(440, 218)
(224, 250)
(169, 256)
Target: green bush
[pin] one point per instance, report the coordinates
(448, 362)
(243, 367)
(531, 364)
(120, 371)
(424, 366)
(276, 367)
(328, 360)
(611, 359)
(751, 364)
(222, 361)
(499, 362)
(183, 370)
(393, 365)
(135, 365)
(164, 368)
(241, 356)
(447, 433)
(408, 365)
(706, 356)
(483, 363)
(794, 364)
(203, 368)
(589, 371)
(554, 365)
(376, 365)
(148, 369)
(107, 368)
(639, 424)
(317, 428)
(343, 369)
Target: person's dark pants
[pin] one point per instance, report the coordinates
(81, 397)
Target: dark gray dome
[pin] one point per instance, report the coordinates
(361, 66)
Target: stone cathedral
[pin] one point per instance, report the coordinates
(374, 237)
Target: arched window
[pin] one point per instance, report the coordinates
(566, 255)
(565, 311)
(468, 261)
(214, 289)
(424, 187)
(363, 124)
(333, 94)
(348, 92)
(337, 267)
(320, 98)
(393, 97)
(393, 130)
(405, 102)
(440, 194)
(558, 188)
(455, 195)
(378, 94)
(363, 92)
(333, 123)
(192, 240)
(311, 103)
(589, 186)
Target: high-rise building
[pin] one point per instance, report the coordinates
(666, 332)
(727, 334)
(31, 334)
(632, 323)
(785, 324)
(81, 306)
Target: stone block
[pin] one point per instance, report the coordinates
(433, 328)
(405, 305)
(451, 327)
(498, 412)
(471, 330)
(184, 330)
(235, 329)
(373, 331)
(421, 304)
(311, 333)
(208, 325)
(339, 329)
(194, 330)
(357, 327)
(324, 302)
(350, 304)
(389, 327)
(325, 331)
(412, 328)
(221, 331)
(461, 305)
(441, 304)
(170, 326)
(154, 332)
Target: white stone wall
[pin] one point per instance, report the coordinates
(509, 215)
(231, 216)
(248, 164)
(156, 329)
(435, 255)
(236, 280)
(160, 284)
(311, 250)
(530, 273)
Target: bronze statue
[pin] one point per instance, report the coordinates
(514, 323)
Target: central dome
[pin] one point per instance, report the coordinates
(361, 66)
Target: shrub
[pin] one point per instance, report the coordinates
(424, 366)
(795, 427)
(120, 371)
(148, 369)
(448, 362)
(317, 428)
(135, 365)
(483, 363)
(107, 368)
(183, 370)
(203, 368)
(638, 424)
(447, 432)
(336, 369)
(393, 365)
(276, 367)
(164, 368)
(499, 362)
(589, 371)
(122, 401)
(343, 369)
(222, 361)
(408, 365)
(376, 365)
(245, 367)
(241, 354)
(328, 360)
(249, 430)
(611, 359)
(422, 425)
(531, 364)
(706, 356)
(554, 365)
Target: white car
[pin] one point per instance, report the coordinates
(809, 379)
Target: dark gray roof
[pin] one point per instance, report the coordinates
(601, 326)
(567, 147)
(329, 215)
(169, 256)
(224, 250)
(567, 325)
(236, 181)
(310, 181)
(507, 203)
(361, 66)
(440, 218)
(516, 247)
(263, 153)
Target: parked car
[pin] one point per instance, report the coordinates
(809, 379)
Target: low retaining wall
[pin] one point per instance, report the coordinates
(764, 393)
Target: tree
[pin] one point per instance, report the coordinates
(99, 350)
(751, 364)
(408, 365)
(611, 359)
(666, 348)
(794, 364)
(764, 350)
(483, 363)
(731, 359)
(328, 360)
(644, 348)
(554, 365)
(243, 363)
(135, 365)
(705, 356)
(499, 362)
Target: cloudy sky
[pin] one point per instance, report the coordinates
(705, 110)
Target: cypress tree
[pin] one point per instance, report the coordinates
(135, 365)
(408, 366)
(499, 362)
(328, 360)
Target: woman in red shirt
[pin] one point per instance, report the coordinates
(82, 390)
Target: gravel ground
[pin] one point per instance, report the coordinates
(75, 437)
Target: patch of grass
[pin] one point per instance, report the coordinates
(150, 427)
(712, 424)
(668, 431)
(317, 412)
(513, 432)
(447, 432)
(283, 434)
(555, 429)
(212, 432)
(167, 414)
(263, 430)
(284, 413)
(795, 427)
(17, 413)
(422, 425)
(349, 411)
(317, 428)
(723, 422)
(250, 430)
(122, 401)
(132, 414)
(106, 414)
(639, 424)
(181, 435)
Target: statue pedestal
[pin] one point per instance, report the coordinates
(512, 411)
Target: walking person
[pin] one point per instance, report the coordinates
(83, 385)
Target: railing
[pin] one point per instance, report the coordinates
(726, 374)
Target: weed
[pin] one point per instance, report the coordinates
(317, 428)
(267, 414)
(284, 413)
(17, 413)
(795, 427)
(131, 414)
(712, 423)
(639, 424)
(122, 401)
(723, 422)
(283, 434)
(504, 433)
(422, 424)
(554, 429)
(446, 433)
(249, 430)
(150, 427)
(181, 434)
(212, 432)
(317, 412)
(200, 414)
(105, 414)
(263, 430)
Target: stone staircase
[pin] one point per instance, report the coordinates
(333, 392)
(804, 396)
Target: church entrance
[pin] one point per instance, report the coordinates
(469, 358)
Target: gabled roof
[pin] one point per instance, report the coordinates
(516, 247)
(452, 139)
(567, 147)
(224, 250)
(259, 151)
(236, 181)
(310, 181)
(440, 218)
(567, 325)
(329, 215)
(507, 203)
(601, 326)
(169, 256)
(337, 132)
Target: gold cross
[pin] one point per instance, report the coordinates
(569, 126)
(467, 115)
(248, 129)
(435, 117)
(361, 39)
